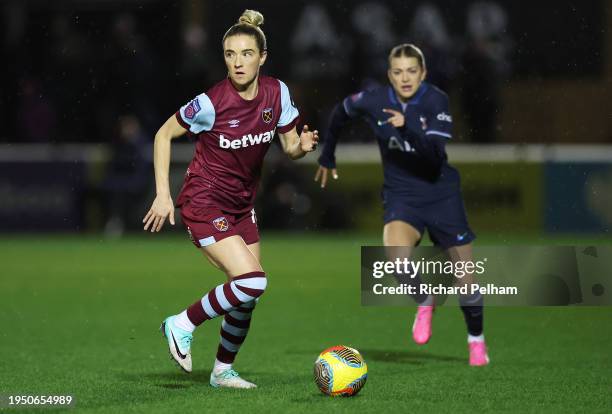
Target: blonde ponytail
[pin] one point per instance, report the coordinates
(248, 24)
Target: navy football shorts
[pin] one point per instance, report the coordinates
(445, 219)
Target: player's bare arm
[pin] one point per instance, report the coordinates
(163, 206)
(327, 161)
(297, 146)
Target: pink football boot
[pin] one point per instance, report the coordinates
(421, 329)
(478, 354)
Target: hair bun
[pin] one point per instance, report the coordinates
(252, 17)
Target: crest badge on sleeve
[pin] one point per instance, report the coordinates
(357, 96)
(267, 115)
(221, 224)
(192, 109)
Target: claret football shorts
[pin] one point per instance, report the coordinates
(208, 225)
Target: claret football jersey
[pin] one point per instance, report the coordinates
(232, 137)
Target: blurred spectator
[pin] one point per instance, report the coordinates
(484, 66)
(127, 178)
(200, 62)
(36, 118)
(66, 75)
(132, 72)
(481, 89)
(428, 31)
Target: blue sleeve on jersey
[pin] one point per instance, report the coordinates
(354, 105)
(351, 107)
(440, 122)
(337, 120)
(288, 110)
(199, 114)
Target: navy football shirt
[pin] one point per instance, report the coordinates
(407, 173)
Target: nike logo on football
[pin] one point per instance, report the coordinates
(178, 351)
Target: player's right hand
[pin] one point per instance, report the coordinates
(162, 208)
(322, 174)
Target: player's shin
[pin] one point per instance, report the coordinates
(414, 279)
(234, 329)
(472, 307)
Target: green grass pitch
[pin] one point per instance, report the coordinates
(80, 316)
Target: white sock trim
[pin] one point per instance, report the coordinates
(221, 366)
(478, 338)
(182, 321)
(429, 301)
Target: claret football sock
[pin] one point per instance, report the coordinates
(228, 297)
(234, 329)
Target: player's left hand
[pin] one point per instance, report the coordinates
(396, 119)
(309, 139)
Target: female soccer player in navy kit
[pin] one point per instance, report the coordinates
(412, 122)
(234, 122)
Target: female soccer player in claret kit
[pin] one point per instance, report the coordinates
(412, 123)
(234, 122)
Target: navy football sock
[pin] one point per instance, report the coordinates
(472, 307)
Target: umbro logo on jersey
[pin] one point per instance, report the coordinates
(234, 123)
(246, 140)
(442, 116)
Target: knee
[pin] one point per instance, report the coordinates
(399, 233)
(251, 284)
(263, 283)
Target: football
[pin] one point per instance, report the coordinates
(340, 371)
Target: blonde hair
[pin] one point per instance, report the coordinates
(248, 24)
(408, 50)
(252, 17)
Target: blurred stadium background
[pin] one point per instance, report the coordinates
(86, 84)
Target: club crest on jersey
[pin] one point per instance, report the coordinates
(192, 109)
(267, 115)
(221, 224)
(423, 123)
